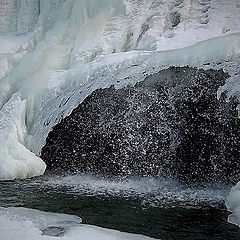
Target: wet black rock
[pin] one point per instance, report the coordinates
(171, 124)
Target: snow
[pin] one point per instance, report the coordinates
(74, 47)
(50, 62)
(29, 224)
(11, 43)
(15, 17)
(233, 205)
(16, 160)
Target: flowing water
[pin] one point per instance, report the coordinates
(159, 208)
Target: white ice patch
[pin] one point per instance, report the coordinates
(233, 204)
(74, 47)
(29, 224)
(16, 160)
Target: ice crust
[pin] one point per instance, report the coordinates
(29, 224)
(67, 49)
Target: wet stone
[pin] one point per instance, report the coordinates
(171, 124)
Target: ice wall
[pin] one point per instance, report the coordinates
(55, 53)
(18, 16)
(233, 204)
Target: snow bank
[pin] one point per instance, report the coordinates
(28, 224)
(74, 47)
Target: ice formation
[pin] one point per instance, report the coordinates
(55, 53)
(24, 224)
(16, 160)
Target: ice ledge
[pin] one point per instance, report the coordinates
(16, 161)
(233, 205)
(39, 225)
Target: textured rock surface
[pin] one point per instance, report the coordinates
(170, 124)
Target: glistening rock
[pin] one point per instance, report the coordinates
(171, 124)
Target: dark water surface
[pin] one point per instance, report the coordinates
(157, 208)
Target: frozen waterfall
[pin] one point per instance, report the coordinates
(53, 54)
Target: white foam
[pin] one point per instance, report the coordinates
(29, 224)
(157, 192)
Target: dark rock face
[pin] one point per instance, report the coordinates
(171, 124)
